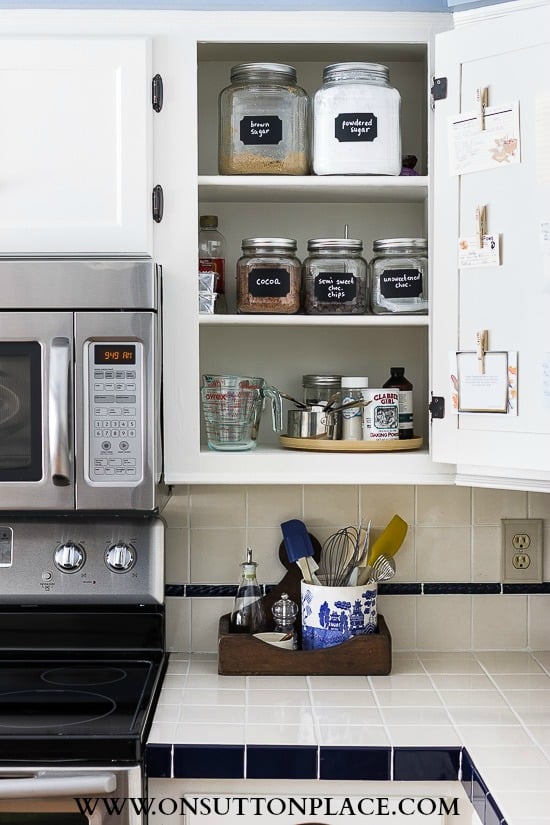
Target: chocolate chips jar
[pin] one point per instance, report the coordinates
(335, 277)
(269, 276)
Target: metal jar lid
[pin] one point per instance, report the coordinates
(287, 244)
(264, 71)
(399, 244)
(332, 381)
(367, 72)
(345, 244)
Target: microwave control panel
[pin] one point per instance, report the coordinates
(115, 399)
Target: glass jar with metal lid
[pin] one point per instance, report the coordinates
(356, 121)
(269, 276)
(399, 276)
(320, 389)
(335, 277)
(263, 122)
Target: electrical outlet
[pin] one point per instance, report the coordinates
(522, 550)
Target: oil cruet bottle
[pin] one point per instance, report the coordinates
(248, 614)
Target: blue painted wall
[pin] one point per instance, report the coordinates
(254, 5)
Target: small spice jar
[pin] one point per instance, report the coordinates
(356, 126)
(335, 277)
(269, 276)
(399, 276)
(263, 122)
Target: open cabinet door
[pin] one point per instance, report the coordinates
(509, 55)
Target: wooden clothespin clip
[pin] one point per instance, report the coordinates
(482, 341)
(482, 98)
(481, 224)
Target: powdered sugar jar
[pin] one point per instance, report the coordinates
(356, 128)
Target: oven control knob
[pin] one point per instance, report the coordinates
(69, 557)
(120, 557)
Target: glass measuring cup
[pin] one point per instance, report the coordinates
(232, 413)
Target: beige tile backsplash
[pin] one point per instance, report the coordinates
(454, 536)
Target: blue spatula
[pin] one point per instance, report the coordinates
(300, 549)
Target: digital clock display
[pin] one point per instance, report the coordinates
(114, 354)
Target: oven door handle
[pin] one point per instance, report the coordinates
(52, 784)
(58, 402)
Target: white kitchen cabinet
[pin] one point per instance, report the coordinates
(75, 145)
(509, 54)
(283, 348)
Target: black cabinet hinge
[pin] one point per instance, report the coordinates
(439, 89)
(157, 93)
(158, 203)
(437, 406)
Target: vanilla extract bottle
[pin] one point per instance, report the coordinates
(398, 380)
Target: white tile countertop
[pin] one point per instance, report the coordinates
(486, 713)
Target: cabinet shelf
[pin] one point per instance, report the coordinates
(312, 189)
(275, 465)
(265, 320)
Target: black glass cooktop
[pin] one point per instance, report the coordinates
(76, 708)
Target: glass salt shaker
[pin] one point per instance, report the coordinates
(284, 615)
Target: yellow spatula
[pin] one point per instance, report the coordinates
(390, 539)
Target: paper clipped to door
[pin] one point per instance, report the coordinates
(472, 149)
(492, 391)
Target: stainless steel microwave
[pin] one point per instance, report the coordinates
(80, 384)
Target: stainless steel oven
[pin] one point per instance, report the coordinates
(82, 657)
(80, 384)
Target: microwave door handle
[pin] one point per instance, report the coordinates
(41, 785)
(58, 401)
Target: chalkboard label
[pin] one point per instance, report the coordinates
(356, 127)
(335, 288)
(269, 283)
(260, 130)
(401, 283)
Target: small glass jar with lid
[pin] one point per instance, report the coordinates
(320, 389)
(399, 276)
(356, 121)
(269, 276)
(335, 277)
(263, 122)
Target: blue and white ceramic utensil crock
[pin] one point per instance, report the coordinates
(332, 615)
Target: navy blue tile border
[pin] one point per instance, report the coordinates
(472, 588)
(209, 761)
(281, 761)
(325, 762)
(543, 587)
(384, 589)
(363, 763)
(479, 794)
(158, 761)
(426, 764)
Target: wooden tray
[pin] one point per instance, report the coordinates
(240, 654)
(330, 446)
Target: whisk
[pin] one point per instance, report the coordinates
(335, 555)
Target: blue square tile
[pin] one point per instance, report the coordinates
(281, 762)
(426, 764)
(355, 763)
(158, 761)
(209, 761)
(493, 814)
